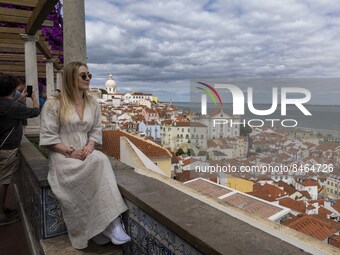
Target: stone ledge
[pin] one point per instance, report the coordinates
(204, 227)
(35, 160)
(207, 229)
(61, 245)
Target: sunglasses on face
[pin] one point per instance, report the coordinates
(85, 75)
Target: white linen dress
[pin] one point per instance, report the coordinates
(87, 190)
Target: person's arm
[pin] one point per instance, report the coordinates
(95, 134)
(23, 95)
(21, 111)
(35, 101)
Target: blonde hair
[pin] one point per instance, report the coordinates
(70, 91)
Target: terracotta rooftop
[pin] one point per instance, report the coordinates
(207, 188)
(174, 158)
(183, 176)
(189, 161)
(286, 187)
(336, 206)
(327, 146)
(263, 194)
(181, 124)
(305, 193)
(167, 122)
(314, 226)
(247, 203)
(335, 240)
(309, 182)
(323, 212)
(252, 205)
(288, 202)
(148, 110)
(111, 145)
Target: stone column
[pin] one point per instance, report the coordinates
(31, 71)
(59, 80)
(50, 88)
(74, 31)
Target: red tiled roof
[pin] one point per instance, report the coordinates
(263, 194)
(323, 212)
(207, 188)
(286, 187)
(148, 110)
(298, 206)
(252, 205)
(327, 146)
(197, 124)
(309, 182)
(182, 124)
(314, 226)
(189, 161)
(111, 145)
(336, 206)
(167, 122)
(174, 159)
(240, 200)
(335, 240)
(267, 160)
(269, 192)
(305, 194)
(183, 176)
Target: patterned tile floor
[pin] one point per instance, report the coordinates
(12, 237)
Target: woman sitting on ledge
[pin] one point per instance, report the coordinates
(81, 177)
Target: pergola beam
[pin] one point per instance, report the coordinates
(17, 57)
(15, 12)
(28, 3)
(40, 74)
(17, 68)
(22, 20)
(40, 13)
(12, 47)
(12, 30)
(13, 41)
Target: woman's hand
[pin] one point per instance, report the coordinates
(88, 149)
(77, 154)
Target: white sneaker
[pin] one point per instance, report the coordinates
(101, 239)
(116, 233)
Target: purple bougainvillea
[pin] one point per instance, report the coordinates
(54, 34)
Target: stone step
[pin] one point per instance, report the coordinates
(61, 245)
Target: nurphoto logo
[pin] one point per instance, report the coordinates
(238, 103)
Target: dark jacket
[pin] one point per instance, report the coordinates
(11, 115)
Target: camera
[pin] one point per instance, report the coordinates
(29, 90)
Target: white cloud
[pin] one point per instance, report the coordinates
(153, 45)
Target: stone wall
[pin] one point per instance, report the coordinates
(161, 219)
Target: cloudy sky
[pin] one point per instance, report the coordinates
(157, 46)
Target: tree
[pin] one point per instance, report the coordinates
(191, 152)
(104, 92)
(179, 152)
(245, 130)
(258, 150)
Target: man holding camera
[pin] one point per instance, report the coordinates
(12, 114)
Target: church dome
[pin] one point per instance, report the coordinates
(110, 83)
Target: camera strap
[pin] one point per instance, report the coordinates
(7, 137)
